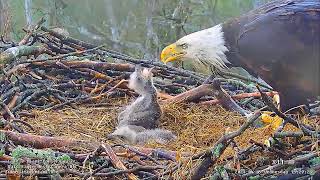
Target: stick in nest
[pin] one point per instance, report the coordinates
(305, 129)
(116, 161)
(211, 155)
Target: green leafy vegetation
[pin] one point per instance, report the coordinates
(315, 161)
(47, 158)
(217, 150)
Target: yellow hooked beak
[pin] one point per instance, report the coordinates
(171, 53)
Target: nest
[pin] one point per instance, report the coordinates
(197, 128)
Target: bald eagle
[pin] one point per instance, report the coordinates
(279, 41)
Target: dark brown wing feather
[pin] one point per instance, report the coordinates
(281, 43)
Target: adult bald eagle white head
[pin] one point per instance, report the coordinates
(279, 41)
(206, 47)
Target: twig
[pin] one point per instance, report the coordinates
(191, 95)
(62, 56)
(5, 107)
(33, 29)
(286, 118)
(110, 90)
(288, 134)
(96, 171)
(41, 141)
(10, 54)
(22, 122)
(225, 73)
(272, 149)
(211, 155)
(135, 150)
(116, 161)
(239, 96)
(225, 99)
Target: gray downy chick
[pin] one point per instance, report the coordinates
(139, 122)
(145, 111)
(139, 135)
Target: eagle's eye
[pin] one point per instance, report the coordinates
(184, 46)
